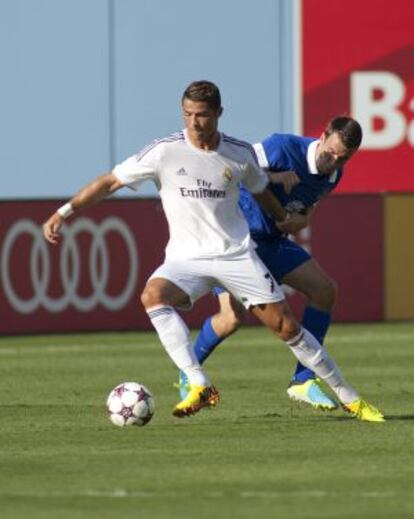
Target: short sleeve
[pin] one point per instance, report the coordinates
(261, 155)
(145, 165)
(270, 151)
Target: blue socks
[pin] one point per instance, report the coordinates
(206, 342)
(317, 323)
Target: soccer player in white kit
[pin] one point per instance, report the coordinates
(198, 172)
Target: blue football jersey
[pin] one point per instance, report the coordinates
(286, 152)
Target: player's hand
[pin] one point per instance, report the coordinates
(51, 228)
(294, 223)
(288, 179)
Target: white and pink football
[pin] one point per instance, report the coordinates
(130, 403)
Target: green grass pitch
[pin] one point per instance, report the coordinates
(257, 455)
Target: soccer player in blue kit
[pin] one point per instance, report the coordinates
(303, 170)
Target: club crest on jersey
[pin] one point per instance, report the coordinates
(227, 175)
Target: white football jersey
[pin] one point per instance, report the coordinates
(199, 191)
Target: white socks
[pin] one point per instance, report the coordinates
(315, 357)
(175, 337)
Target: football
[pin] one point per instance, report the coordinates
(130, 403)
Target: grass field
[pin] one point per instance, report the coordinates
(257, 455)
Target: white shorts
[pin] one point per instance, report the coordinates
(244, 276)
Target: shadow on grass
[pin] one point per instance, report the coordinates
(388, 418)
(400, 417)
(255, 416)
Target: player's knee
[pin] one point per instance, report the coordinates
(289, 328)
(330, 293)
(150, 296)
(325, 296)
(284, 323)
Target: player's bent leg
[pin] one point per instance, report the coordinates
(206, 342)
(278, 318)
(313, 282)
(320, 290)
(312, 354)
(284, 325)
(306, 348)
(218, 327)
(157, 298)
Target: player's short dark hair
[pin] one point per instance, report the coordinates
(203, 91)
(348, 129)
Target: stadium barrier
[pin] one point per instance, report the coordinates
(93, 278)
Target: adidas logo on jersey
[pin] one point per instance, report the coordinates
(181, 172)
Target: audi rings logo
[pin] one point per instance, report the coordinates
(70, 267)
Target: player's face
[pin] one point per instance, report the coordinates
(201, 121)
(331, 154)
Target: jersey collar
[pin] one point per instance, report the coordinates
(199, 150)
(311, 157)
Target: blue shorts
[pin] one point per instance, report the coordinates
(280, 256)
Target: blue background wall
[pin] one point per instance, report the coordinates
(87, 83)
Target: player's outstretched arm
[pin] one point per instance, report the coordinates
(97, 190)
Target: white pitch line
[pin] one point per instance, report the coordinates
(372, 337)
(245, 494)
(357, 338)
(67, 348)
(86, 348)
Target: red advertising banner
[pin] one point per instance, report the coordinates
(90, 281)
(346, 239)
(358, 59)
